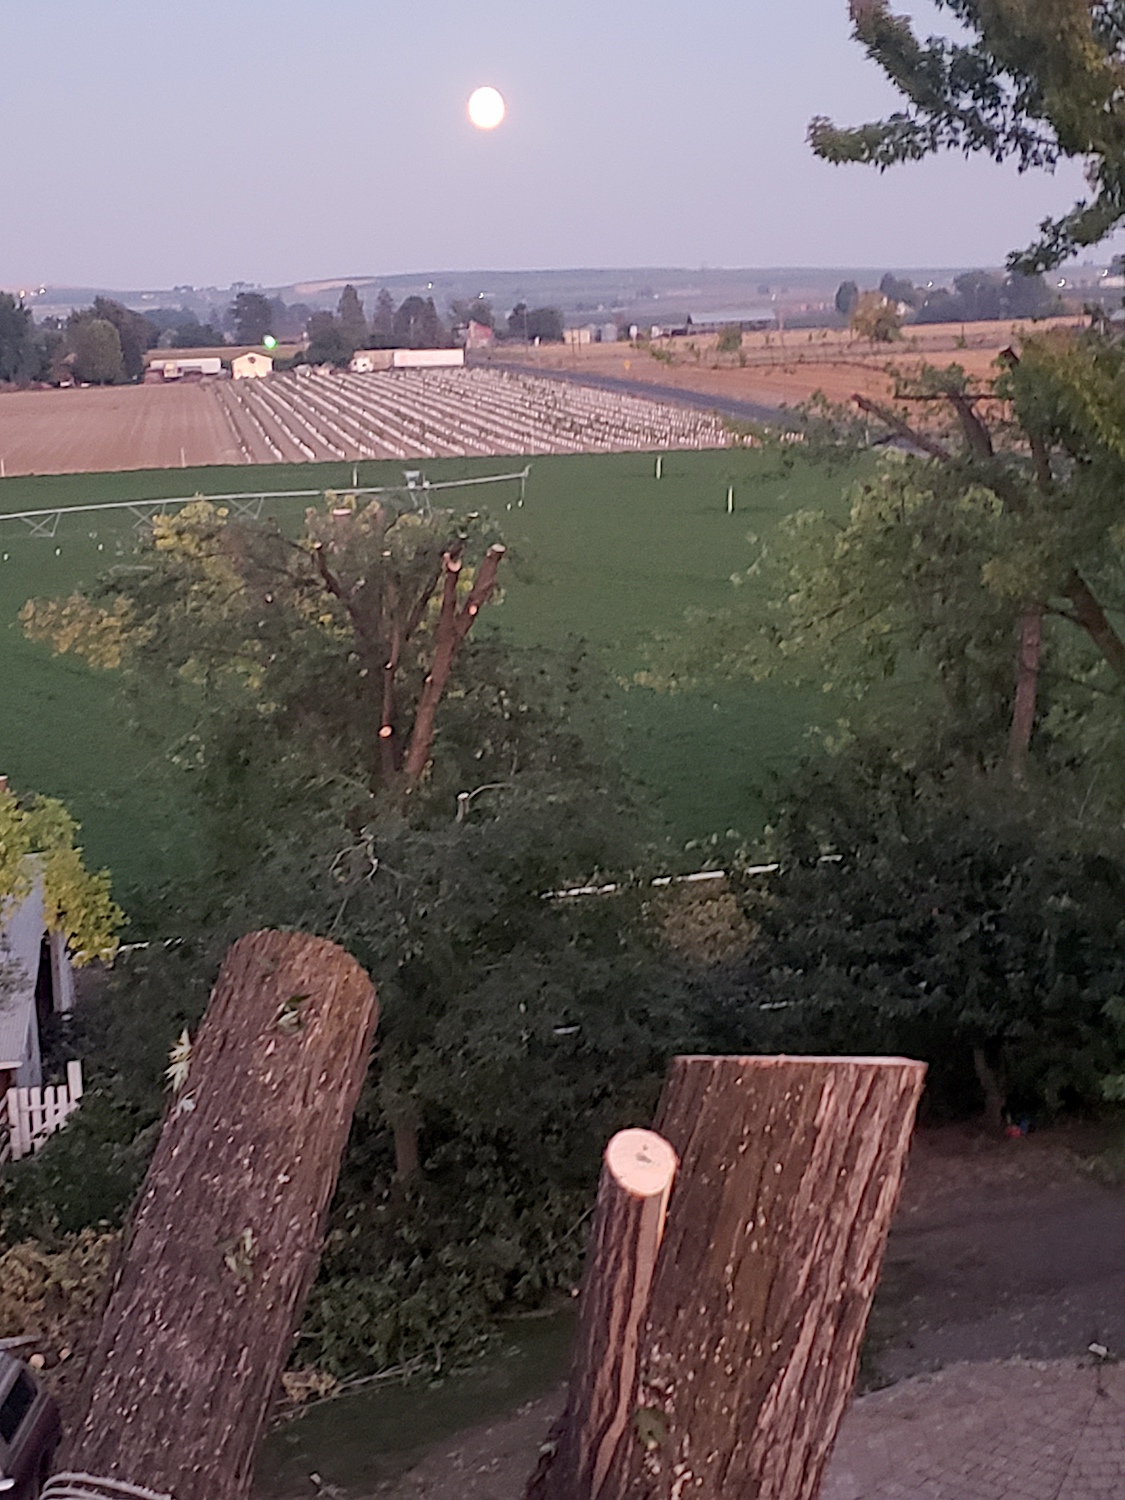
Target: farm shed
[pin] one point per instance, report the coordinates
(366, 361)
(745, 318)
(251, 366)
(176, 369)
(35, 979)
(427, 359)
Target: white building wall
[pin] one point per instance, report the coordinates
(427, 359)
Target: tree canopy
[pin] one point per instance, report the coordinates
(1034, 81)
(349, 310)
(96, 346)
(963, 611)
(21, 355)
(254, 316)
(37, 835)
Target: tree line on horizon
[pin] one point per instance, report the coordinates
(975, 297)
(106, 343)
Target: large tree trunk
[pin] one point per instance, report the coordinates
(227, 1231)
(789, 1172)
(627, 1230)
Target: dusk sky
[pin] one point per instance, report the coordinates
(151, 144)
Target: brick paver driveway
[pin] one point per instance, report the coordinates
(1052, 1430)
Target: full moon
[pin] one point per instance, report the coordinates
(486, 108)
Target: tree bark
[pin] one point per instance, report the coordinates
(1092, 618)
(992, 1089)
(628, 1227)
(1027, 689)
(789, 1171)
(227, 1231)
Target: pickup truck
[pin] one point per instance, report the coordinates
(29, 1431)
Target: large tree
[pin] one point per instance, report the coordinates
(977, 572)
(1036, 81)
(418, 326)
(329, 343)
(383, 318)
(21, 357)
(253, 315)
(133, 329)
(349, 310)
(96, 346)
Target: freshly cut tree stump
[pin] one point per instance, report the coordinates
(227, 1231)
(628, 1226)
(789, 1169)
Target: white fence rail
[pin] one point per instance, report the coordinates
(29, 1116)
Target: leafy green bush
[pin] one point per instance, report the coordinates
(947, 918)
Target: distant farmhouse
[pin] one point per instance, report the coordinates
(251, 366)
(479, 336)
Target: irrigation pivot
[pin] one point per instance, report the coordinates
(246, 505)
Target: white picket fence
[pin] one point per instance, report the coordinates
(29, 1116)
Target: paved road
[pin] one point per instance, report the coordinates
(742, 411)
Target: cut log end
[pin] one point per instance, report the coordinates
(641, 1162)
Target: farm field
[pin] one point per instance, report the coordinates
(113, 427)
(786, 368)
(318, 417)
(601, 550)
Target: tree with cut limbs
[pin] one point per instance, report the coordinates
(396, 780)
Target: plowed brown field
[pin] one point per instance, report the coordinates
(116, 427)
(788, 367)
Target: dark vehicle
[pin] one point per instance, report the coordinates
(29, 1431)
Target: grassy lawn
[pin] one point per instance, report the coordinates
(602, 550)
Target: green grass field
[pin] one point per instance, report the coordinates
(602, 550)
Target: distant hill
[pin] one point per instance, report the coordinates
(648, 294)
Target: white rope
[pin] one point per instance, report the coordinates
(91, 1487)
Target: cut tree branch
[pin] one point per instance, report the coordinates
(902, 428)
(976, 433)
(453, 627)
